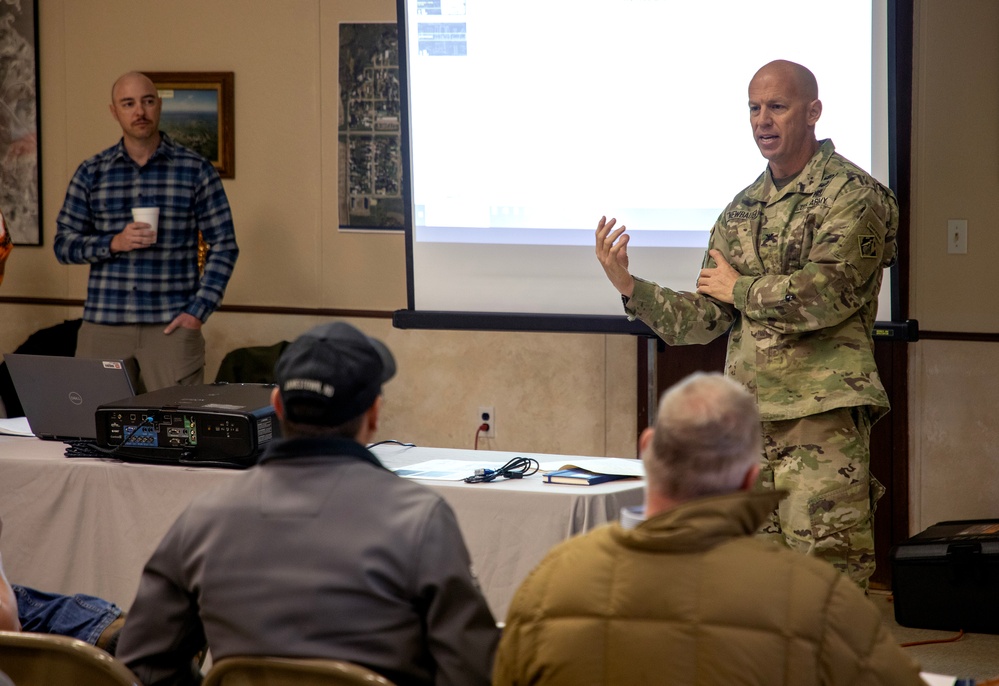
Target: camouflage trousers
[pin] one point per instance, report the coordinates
(823, 462)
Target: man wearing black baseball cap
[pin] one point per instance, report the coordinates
(318, 551)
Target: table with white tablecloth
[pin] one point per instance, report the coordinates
(86, 525)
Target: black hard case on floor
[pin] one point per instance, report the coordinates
(947, 577)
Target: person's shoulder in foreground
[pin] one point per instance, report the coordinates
(689, 596)
(318, 551)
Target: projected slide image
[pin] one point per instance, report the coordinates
(442, 39)
(370, 162)
(439, 7)
(519, 119)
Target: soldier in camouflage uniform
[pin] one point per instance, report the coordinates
(792, 274)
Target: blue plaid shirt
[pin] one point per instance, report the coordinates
(155, 284)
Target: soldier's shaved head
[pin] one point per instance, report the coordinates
(800, 79)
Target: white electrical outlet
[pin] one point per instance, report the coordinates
(486, 415)
(957, 236)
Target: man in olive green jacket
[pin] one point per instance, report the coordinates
(689, 596)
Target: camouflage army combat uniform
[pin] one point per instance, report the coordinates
(810, 258)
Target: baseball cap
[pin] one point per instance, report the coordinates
(331, 374)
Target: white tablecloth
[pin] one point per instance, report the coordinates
(88, 525)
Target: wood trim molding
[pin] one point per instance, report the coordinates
(244, 309)
(53, 302)
(959, 336)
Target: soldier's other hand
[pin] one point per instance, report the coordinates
(718, 281)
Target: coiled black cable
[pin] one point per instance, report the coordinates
(517, 468)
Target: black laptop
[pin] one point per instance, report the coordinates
(60, 395)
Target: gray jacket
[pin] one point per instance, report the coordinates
(318, 551)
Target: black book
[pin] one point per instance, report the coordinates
(581, 477)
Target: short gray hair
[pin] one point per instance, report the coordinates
(707, 435)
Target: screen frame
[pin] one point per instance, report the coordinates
(898, 327)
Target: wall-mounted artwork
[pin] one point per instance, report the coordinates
(198, 113)
(370, 178)
(19, 150)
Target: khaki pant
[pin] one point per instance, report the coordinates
(164, 360)
(823, 461)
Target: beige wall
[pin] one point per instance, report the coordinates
(954, 385)
(552, 393)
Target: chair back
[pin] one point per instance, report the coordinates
(43, 659)
(281, 671)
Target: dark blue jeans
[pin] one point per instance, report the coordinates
(79, 616)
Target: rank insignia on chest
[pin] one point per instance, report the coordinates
(868, 246)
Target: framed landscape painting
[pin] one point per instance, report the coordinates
(198, 112)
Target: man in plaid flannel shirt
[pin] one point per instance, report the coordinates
(146, 297)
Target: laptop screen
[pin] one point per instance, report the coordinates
(60, 395)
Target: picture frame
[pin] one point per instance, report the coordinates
(199, 112)
(20, 147)
(369, 130)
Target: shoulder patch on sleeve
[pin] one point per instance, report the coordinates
(868, 244)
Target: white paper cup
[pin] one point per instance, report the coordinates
(148, 215)
(632, 516)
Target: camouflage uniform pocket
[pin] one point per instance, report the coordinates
(842, 523)
(877, 490)
(836, 511)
